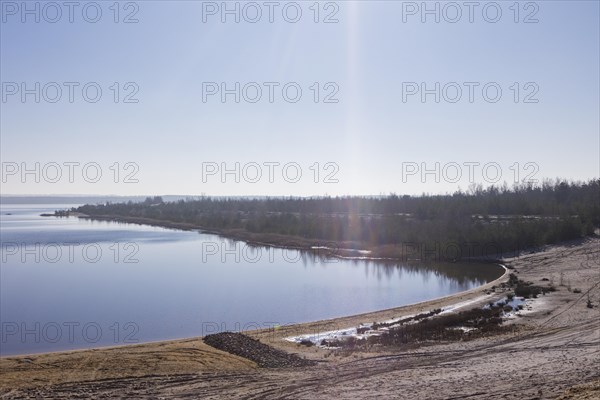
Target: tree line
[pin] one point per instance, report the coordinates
(517, 217)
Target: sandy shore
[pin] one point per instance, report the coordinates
(554, 352)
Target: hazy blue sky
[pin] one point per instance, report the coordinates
(370, 54)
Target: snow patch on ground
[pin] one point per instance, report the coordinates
(519, 306)
(463, 304)
(366, 328)
(337, 249)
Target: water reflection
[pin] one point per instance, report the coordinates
(184, 283)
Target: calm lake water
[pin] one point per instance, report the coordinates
(67, 283)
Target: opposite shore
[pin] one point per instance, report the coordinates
(339, 249)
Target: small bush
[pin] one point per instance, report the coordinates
(526, 291)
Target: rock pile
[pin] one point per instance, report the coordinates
(264, 356)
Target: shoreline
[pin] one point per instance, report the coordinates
(267, 240)
(438, 302)
(302, 327)
(559, 323)
(471, 296)
(340, 249)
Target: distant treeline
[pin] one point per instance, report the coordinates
(525, 215)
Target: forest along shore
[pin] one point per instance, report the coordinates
(402, 252)
(326, 248)
(550, 349)
(495, 222)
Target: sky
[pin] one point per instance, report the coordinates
(296, 98)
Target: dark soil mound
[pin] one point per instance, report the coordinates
(263, 355)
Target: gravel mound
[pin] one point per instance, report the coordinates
(264, 356)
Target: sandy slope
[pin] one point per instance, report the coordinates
(554, 352)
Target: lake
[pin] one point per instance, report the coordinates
(69, 283)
